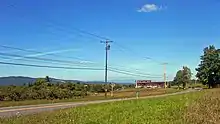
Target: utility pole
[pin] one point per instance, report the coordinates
(107, 48)
(165, 83)
(112, 86)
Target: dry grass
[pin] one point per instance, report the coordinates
(205, 110)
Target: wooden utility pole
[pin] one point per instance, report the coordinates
(107, 48)
(112, 86)
(165, 83)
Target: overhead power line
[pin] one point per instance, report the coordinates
(107, 39)
(123, 48)
(83, 32)
(91, 34)
(131, 74)
(8, 58)
(71, 68)
(144, 74)
(5, 57)
(45, 66)
(59, 61)
(33, 51)
(38, 58)
(131, 69)
(66, 62)
(61, 26)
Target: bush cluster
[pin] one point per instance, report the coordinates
(42, 89)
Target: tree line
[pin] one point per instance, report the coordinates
(42, 88)
(208, 71)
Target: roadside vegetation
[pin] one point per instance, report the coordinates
(192, 108)
(126, 93)
(164, 110)
(43, 89)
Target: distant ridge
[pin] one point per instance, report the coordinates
(21, 80)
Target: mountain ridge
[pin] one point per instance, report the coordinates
(21, 80)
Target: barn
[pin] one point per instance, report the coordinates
(149, 84)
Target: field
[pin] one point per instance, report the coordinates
(192, 108)
(117, 94)
(205, 110)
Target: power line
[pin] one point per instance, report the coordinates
(71, 68)
(37, 58)
(107, 39)
(6, 58)
(82, 61)
(131, 74)
(93, 35)
(99, 37)
(123, 48)
(33, 51)
(45, 66)
(53, 60)
(133, 69)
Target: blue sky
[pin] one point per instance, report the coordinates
(172, 31)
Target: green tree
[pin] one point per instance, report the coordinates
(186, 75)
(208, 71)
(178, 78)
(183, 77)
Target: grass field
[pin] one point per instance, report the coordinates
(205, 110)
(188, 108)
(117, 94)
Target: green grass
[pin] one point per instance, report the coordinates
(164, 110)
(118, 94)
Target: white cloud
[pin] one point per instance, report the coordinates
(150, 8)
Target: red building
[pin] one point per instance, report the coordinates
(149, 84)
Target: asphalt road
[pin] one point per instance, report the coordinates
(32, 109)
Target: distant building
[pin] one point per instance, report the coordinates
(148, 84)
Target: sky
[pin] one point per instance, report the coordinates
(171, 31)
